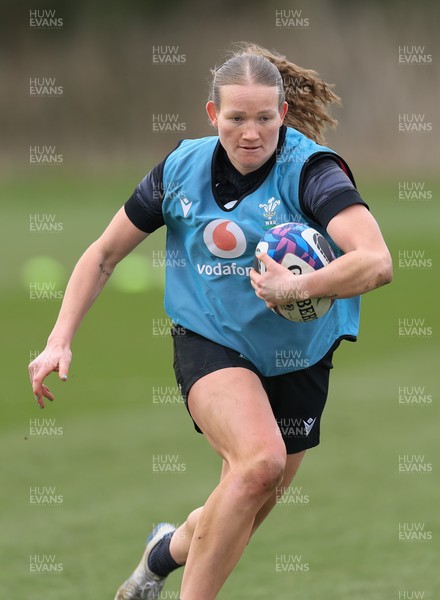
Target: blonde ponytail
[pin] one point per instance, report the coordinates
(308, 96)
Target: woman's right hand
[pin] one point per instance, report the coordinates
(55, 358)
(86, 282)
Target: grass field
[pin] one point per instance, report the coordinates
(115, 413)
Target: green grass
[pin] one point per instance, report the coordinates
(101, 465)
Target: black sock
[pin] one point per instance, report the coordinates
(160, 561)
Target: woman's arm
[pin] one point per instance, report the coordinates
(366, 264)
(86, 282)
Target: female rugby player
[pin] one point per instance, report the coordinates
(217, 195)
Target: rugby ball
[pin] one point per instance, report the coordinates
(301, 249)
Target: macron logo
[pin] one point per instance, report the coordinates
(186, 205)
(308, 425)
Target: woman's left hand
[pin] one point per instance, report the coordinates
(277, 285)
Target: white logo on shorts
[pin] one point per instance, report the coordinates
(309, 424)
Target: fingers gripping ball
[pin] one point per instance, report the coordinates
(301, 249)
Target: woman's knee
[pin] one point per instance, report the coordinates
(261, 473)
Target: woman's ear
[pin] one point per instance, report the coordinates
(284, 110)
(212, 112)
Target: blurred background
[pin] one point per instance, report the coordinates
(105, 57)
(93, 95)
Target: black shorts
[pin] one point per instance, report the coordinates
(297, 398)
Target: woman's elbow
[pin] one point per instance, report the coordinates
(384, 269)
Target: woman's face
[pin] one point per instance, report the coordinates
(248, 122)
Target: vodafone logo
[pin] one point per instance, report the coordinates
(224, 238)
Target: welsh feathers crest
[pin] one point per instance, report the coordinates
(269, 208)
